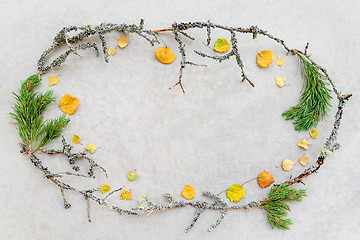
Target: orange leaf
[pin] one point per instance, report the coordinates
(264, 58)
(188, 192)
(165, 55)
(122, 42)
(265, 179)
(69, 104)
(53, 80)
(303, 143)
(304, 160)
(279, 61)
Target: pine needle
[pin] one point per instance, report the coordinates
(314, 100)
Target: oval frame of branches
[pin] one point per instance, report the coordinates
(36, 132)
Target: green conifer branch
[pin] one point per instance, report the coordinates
(314, 100)
(34, 131)
(275, 205)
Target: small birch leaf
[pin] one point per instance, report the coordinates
(264, 58)
(304, 160)
(314, 133)
(235, 193)
(222, 45)
(303, 143)
(105, 188)
(90, 148)
(111, 51)
(76, 139)
(279, 61)
(287, 164)
(131, 176)
(280, 81)
(123, 42)
(188, 192)
(53, 80)
(69, 104)
(125, 195)
(165, 55)
(265, 179)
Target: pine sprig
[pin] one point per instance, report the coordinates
(314, 100)
(34, 131)
(276, 207)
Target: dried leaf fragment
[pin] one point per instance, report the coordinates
(235, 193)
(279, 61)
(76, 139)
(304, 160)
(264, 58)
(222, 45)
(287, 164)
(125, 195)
(90, 148)
(53, 80)
(314, 133)
(188, 192)
(69, 104)
(111, 51)
(105, 188)
(280, 81)
(265, 179)
(165, 55)
(123, 42)
(131, 176)
(303, 143)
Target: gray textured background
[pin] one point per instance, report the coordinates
(221, 132)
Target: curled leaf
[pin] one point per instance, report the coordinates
(105, 188)
(123, 42)
(222, 45)
(235, 193)
(304, 160)
(279, 61)
(53, 80)
(125, 195)
(280, 81)
(287, 164)
(69, 104)
(265, 179)
(90, 148)
(303, 143)
(188, 192)
(314, 133)
(76, 139)
(111, 51)
(264, 58)
(132, 176)
(165, 55)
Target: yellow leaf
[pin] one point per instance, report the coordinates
(69, 104)
(287, 164)
(188, 192)
(105, 188)
(314, 133)
(265, 179)
(125, 195)
(280, 81)
(279, 61)
(222, 45)
(132, 176)
(76, 139)
(265, 58)
(122, 42)
(53, 80)
(304, 160)
(303, 143)
(235, 193)
(91, 148)
(111, 51)
(165, 55)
